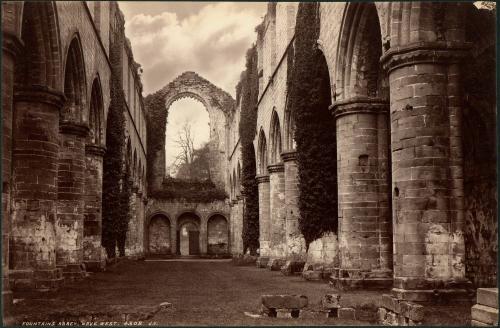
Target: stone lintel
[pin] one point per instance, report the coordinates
(11, 43)
(438, 52)
(356, 105)
(262, 178)
(289, 155)
(41, 94)
(96, 150)
(274, 168)
(74, 128)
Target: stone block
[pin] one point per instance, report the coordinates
(347, 313)
(476, 323)
(412, 311)
(488, 297)
(330, 301)
(485, 314)
(312, 275)
(262, 262)
(284, 301)
(292, 267)
(381, 315)
(275, 264)
(391, 303)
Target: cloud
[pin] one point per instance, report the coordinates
(211, 41)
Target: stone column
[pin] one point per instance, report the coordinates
(203, 236)
(427, 182)
(70, 185)
(278, 215)
(11, 47)
(295, 242)
(365, 243)
(264, 219)
(94, 255)
(232, 217)
(34, 189)
(239, 226)
(132, 241)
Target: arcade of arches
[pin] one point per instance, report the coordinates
(414, 200)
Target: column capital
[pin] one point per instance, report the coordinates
(78, 129)
(356, 105)
(11, 43)
(289, 155)
(274, 168)
(262, 178)
(438, 52)
(97, 150)
(40, 94)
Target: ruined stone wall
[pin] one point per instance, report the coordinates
(172, 211)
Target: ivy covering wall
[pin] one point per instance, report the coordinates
(116, 186)
(309, 99)
(249, 89)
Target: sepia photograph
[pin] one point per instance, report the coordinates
(183, 163)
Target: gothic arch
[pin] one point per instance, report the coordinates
(74, 109)
(40, 61)
(262, 154)
(96, 114)
(219, 105)
(275, 137)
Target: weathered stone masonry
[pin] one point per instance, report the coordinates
(55, 98)
(396, 72)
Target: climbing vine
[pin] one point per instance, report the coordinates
(115, 215)
(249, 88)
(309, 99)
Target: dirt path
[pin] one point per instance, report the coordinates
(200, 293)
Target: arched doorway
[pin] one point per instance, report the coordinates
(188, 234)
(218, 235)
(159, 235)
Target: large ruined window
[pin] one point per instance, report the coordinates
(187, 139)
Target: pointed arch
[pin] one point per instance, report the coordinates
(96, 114)
(275, 136)
(262, 154)
(74, 109)
(40, 62)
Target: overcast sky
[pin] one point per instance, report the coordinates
(210, 38)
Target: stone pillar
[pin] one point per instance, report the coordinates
(203, 236)
(94, 255)
(295, 242)
(232, 217)
(70, 186)
(264, 216)
(34, 189)
(11, 47)
(277, 210)
(427, 181)
(132, 246)
(365, 229)
(239, 226)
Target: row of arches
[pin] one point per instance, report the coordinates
(188, 235)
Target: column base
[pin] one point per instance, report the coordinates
(275, 264)
(42, 280)
(262, 261)
(433, 290)
(74, 271)
(351, 279)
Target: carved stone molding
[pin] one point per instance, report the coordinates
(40, 94)
(360, 105)
(273, 168)
(95, 150)
(78, 129)
(439, 52)
(289, 156)
(262, 178)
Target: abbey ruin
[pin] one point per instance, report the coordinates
(403, 164)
